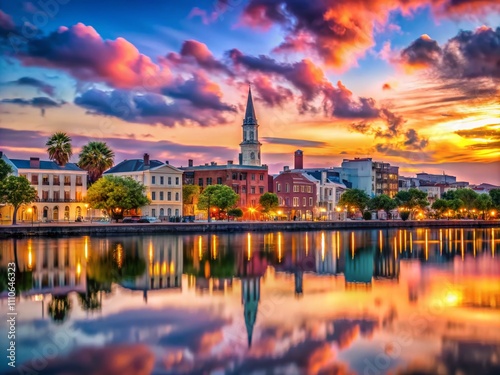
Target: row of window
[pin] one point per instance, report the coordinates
(162, 180)
(296, 188)
(162, 212)
(56, 180)
(235, 176)
(56, 195)
(162, 196)
(296, 202)
(244, 189)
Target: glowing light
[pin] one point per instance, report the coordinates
(493, 242)
(426, 244)
(453, 298)
(474, 242)
(462, 243)
(441, 241)
(411, 242)
(279, 247)
(37, 297)
(352, 244)
(380, 239)
(78, 269)
(30, 256)
(249, 246)
(307, 244)
(172, 267)
(164, 268)
(119, 255)
(322, 246)
(86, 247)
(150, 251)
(338, 245)
(214, 246)
(200, 252)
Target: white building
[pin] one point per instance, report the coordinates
(328, 192)
(60, 190)
(163, 184)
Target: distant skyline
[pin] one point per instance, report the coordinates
(409, 82)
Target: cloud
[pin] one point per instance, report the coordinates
(36, 83)
(7, 25)
(491, 131)
(346, 105)
(273, 96)
(39, 102)
(341, 31)
(293, 142)
(194, 52)
(386, 86)
(414, 141)
(152, 108)
(82, 52)
(423, 52)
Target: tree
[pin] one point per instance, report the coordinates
(190, 194)
(449, 195)
(456, 204)
(468, 197)
(235, 212)
(382, 202)
(116, 194)
(59, 148)
(495, 198)
(412, 200)
(269, 202)
(354, 198)
(5, 170)
(95, 158)
(440, 206)
(483, 203)
(16, 191)
(219, 196)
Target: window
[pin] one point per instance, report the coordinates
(169, 196)
(310, 201)
(253, 176)
(287, 188)
(243, 189)
(67, 180)
(56, 196)
(78, 196)
(176, 212)
(252, 155)
(200, 182)
(235, 176)
(79, 181)
(153, 212)
(169, 212)
(162, 212)
(45, 179)
(252, 202)
(161, 180)
(261, 189)
(304, 201)
(278, 187)
(177, 180)
(209, 181)
(280, 201)
(66, 217)
(177, 197)
(295, 202)
(34, 179)
(153, 196)
(252, 190)
(219, 180)
(302, 188)
(295, 188)
(287, 202)
(153, 180)
(56, 181)
(251, 136)
(67, 195)
(45, 195)
(170, 180)
(261, 177)
(162, 196)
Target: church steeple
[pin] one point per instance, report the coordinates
(250, 117)
(250, 147)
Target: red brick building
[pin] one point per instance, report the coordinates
(296, 195)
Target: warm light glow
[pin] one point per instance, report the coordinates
(86, 247)
(249, 246)
(172, 267)
(380, 240)
(426, 244)
(164, 268)
(200, 252)
(37, 297)
(493, 213)
(453, 298)
(279, 247)
(30, 255)
(280, 212)
(322, 246)
(119, 255)
(352, 244)
(214, 246)
(307, 244)
(78, 269)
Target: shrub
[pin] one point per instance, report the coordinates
(367, 215)
(404, 215)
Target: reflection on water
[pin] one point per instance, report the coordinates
(331, 302)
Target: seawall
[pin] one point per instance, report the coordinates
(86, 229)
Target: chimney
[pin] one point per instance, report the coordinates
(298, 159)
(213, 163)
(166, 162)
(146, 161)
(229, 162)
(323, 177)
(286, 168)
(35, 163)
(190, 162)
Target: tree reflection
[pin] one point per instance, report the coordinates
(90, 301)
(59, 308)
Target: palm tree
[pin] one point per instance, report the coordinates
(95, 158)
(59, 148)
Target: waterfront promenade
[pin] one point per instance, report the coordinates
(83, 229)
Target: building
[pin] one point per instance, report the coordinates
(249, 178)
(297, 194)
(163, 184)
(60, 190)
(438, 178)
(374, 178)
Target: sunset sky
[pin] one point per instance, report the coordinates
(410, 82)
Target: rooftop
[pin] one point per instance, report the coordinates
(47, 165)
(215, 167)
(133, 165)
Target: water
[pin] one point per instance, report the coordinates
(371, 302)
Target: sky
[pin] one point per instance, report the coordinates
(409, 82)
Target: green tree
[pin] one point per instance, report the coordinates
(382, 202)
(468, 197)
(116, 194)
(483, 203)
(354, 198)
(440, 206)
(16, 191)
(456, 204)
(219, 196)
(449, 195)
(235, 212)
(495, 198)
(269, 202)
(5, 170)
(59, 148)
(95, 158)
(190, 195)
(412, 200)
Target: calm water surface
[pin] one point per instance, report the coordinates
(423, 301)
